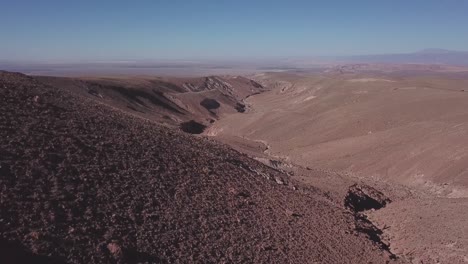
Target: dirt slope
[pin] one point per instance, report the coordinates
(410, 130)
(405, 133)
(82, 182)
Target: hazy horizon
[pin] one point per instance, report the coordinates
(86, 31)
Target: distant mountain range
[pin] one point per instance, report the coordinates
(232, 67)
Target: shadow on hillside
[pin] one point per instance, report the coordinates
(192, 127)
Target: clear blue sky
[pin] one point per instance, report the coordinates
(84, 30)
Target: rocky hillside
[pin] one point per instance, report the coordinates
(85, 182)
(188, 103)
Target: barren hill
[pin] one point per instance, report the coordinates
(188, 103)
(88, 181)
(408, 130)
(399, 130)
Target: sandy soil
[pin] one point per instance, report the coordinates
(376, 130)
(406, 136)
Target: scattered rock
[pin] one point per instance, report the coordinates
(243, 194)
(115, 249)
(296, 215)
(240, 107)
(34, 235)
(279, 181)
(292, 213)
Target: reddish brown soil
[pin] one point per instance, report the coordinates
(82, 182)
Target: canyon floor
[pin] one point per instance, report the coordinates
(404, 134)
(341, 166)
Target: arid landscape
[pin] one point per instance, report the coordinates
(353, 164)
(299, 132)
(403, 133)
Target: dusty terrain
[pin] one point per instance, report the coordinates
(406, 130)
(404, 133)
(356, 164)
(86, 181)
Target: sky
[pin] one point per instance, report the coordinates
(80, 31)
